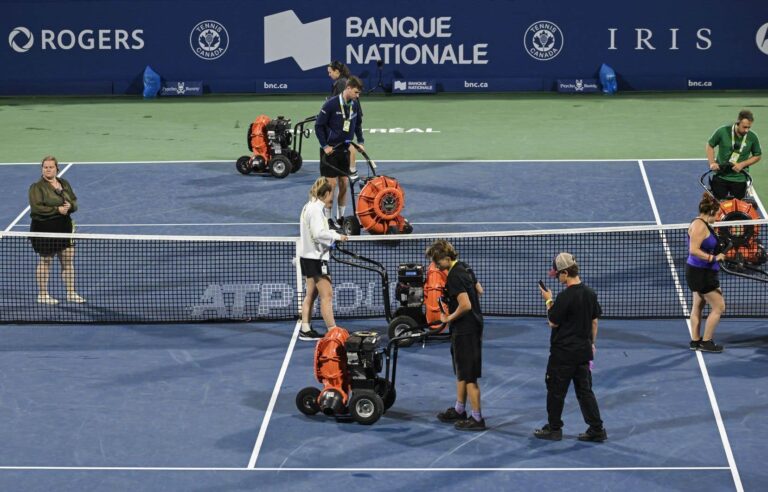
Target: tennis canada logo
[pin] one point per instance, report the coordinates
(21, 39)
(543, 40)
(209, 40)
(762, 38)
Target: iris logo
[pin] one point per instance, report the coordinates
(21, 39)
(543, 40)
(285, 36)
(209, 40)
(762, 38)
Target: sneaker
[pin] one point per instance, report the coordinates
(451, 416)
(710, 346)
(333, 226)
(695, 344)
(470, 424)
(75, 297)
(46, 299)
(593, 435)
(548, 433)
(353, 176)
(310, 335)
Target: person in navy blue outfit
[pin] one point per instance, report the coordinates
(339, 122)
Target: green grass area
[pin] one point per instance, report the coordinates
(464, 127)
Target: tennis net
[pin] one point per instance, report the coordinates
(637, 272)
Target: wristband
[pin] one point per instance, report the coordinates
(546, 303)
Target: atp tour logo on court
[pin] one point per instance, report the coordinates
(209, 40)
(543, 40)
(762, 38)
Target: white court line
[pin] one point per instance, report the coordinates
(24, 212)
(224, 224)
(357, 470)
(699, 356)
(273, 399)
(437, 161)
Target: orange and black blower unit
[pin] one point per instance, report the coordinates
(348, 367)
(378, 206)
(269, 141)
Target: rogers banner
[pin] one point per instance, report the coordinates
(78, 46)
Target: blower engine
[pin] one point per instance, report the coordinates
(413, 292)
(270, 144)
(348, 367)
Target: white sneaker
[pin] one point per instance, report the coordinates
(75, 297)
(46, 299)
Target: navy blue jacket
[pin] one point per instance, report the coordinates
(329, 126)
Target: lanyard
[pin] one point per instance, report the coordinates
(733, 140)
(346, 115)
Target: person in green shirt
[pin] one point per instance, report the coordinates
(52, 202)
(737, 149)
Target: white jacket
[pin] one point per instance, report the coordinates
(315, 236)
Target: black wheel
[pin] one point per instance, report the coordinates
(280, 166)
(259, 164)
(386, 391)
(296, 160)
(306, 400)
(366, 407)
(400, 326)
(244, 164)
(351, 226)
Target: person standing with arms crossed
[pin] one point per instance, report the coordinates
(466, 323)
(572, 316)
(339, 121)
(52, 202)
(737, 149)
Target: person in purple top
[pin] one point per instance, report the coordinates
(701, 272)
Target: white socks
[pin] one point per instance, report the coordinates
(341, 210)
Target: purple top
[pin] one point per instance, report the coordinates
(708, 246)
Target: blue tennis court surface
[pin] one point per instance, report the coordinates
(211, 406)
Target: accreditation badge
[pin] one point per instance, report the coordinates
(346, 125)
(734, 158)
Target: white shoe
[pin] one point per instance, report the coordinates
(75, 297)
(46, 299)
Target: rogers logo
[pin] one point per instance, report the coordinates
(21, 39)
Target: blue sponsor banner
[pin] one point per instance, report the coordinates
(72, 46)
(182, 88)
(414, 86)
(578, 85)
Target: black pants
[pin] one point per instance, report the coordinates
(722, 188)
(559, 377)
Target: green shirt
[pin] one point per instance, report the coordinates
(44, 201)
(725, 139)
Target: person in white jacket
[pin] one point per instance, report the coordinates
(314, 245)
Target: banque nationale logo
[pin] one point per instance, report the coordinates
(20, 39)
(543, 40)
(209, 40)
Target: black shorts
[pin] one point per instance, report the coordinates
(313, 268)
(701, 280)
(49, 246)
(722, 188)
(339, 159)
(467, 353)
